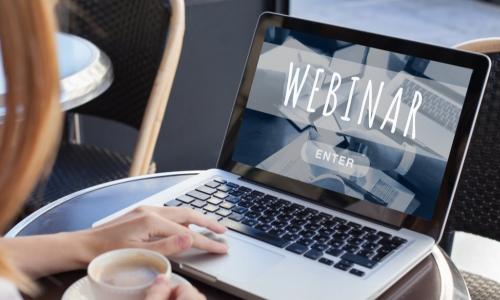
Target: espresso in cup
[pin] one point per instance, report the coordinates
(126, 274)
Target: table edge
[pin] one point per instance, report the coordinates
(446, 274)
(26, 221)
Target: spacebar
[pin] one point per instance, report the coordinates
(255, 233)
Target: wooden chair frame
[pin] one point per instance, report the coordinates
(160, 93)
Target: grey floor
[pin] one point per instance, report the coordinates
(443, 22)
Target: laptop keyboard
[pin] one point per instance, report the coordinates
(435, 107)
(328, 239)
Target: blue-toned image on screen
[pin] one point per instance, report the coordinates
(368, 123)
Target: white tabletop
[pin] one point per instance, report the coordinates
(85, 72)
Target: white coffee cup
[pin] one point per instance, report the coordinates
(126, 274)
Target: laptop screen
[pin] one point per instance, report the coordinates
(368, 123)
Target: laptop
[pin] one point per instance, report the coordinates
(337, 204)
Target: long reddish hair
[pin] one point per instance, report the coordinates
(30, 129)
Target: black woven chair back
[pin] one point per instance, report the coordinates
(476, 207)
(133, 34)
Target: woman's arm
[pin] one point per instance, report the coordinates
(162, 229)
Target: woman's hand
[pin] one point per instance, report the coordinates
(162, 290)
(162, 229)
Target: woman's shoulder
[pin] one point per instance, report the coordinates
(8, 291)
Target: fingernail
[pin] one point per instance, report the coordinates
(184, 241)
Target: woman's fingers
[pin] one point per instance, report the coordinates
(186, 292)
(160, 290)
(160, 227)
(184, 215)
(171, 245)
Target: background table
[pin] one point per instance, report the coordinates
(434, 278)
(85, 72)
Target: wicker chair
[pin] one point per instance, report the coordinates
(143, 39)
(476, 206)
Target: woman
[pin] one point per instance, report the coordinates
(29, 135)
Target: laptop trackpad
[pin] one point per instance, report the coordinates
(244, 261)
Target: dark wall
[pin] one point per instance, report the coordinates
(218, 35)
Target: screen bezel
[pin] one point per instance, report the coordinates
(478, 63)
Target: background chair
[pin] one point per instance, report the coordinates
(143, 39)
(476, 206)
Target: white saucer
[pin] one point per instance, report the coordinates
(80, 290)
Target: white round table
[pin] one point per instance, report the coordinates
(85, 72)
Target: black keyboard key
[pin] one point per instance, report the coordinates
(384, 235)
(214, 201)
(250, 222)
(224, 212)
(379, 257)
(211, 208)
(257, 194)
(365, 253)
(270, 198)
(239, 209)
(339, 220)
(326, 261)
(350, 248)
(236, 217)
(320, 247)
(198, 203)
(334, 251)
(312, 226)
(322, 239)
(185, 199)
(356, 233)
(307, 233)
(297, 248)
(325, 215)
(198, 195)
(293, 228)
(313, 254)
(236, 193)
(245, 189)
(233, 199)
(336, 244)
(173, 203)
(213, 184)
(343, 228)
(276, 232)
(298, 222)
(372, 237)
(232, 184)
(389, 244)
(291, 236)
(255, 233)
(357, 272)
(370, 246)
(207, 190)
(340, 236)
(279, 224)
(221, 195)
(354, 225)
(398, 240)
(266, 219)
(359, 260)
(252, 214)
(245, 203)
(368, 230)
(264, 227)
(355, 241)
(259, 208)
(343, 265)
(327, 232)
(284, 202)
(305, 242)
